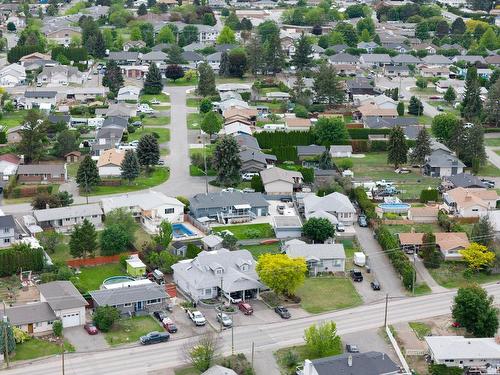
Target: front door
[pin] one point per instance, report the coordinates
(30, 328)
(139, 306)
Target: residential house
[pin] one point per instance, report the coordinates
(404, 59)
(134, 71)
(132, 299)
(436, 60)
(375, 59)
(340, 151)
(482, 354)
(124, 58)
(32, 57)
(229, 206)
(427, 214)
(63, 219)
(320, 258)
(434, 71)
(470, 202)
(311, 151)
(382, 122)
(368, 46)
(149, 208)
(32, 318)
(334, 204)
(237, 127)
(469, 59)
(346, 69)
(493, 60)
(380, 101)
(397, 70)
(18, 20)
(359, 86)
(343, 59)
(369, 363)
(207, 33)
(7, 230)
(60, 75)
(448, 243)
(110, 134)
(128, 93)
(372, 110)
(465, 180)
(430, 48)
(42, 173)
(255, 160)
(442, 164)
(66, 302)
(12, 75)
(236, 87)
(63, 35)
(8, 166)
(73, 157)
(40, 99)
(86, 94)
(156, 57)
(317, 52)
(338, 48)
(216, 273)
(398, 47)
(279, 181)
(455, 46)
(137, 44)
(214, 60)
(212, 242)
(193, 58)
(297, 123)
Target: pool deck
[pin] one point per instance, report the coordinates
(196, 233)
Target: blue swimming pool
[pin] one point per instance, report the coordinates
(180, 230)
(396, 208)
(117, 279)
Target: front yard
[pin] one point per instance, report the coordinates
(36, 348)
(163, 134)
(194, 121)
(322, 294)
(91, 278)
(489, 170)
(248, 231)
(156, 121)
(12, 119)
(492, 142)
(451, 275)
(129, 330)
(300, 353)
(146, 98)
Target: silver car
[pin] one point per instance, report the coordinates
(224, 319)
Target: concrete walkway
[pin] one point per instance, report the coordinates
(425, 276)
(493, 157)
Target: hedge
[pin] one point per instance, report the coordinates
(492, 130)
(429, 195)
(285, 153)
(13, 259)
(280, 138)
(378, 146)
(307, 174)
(366, 204)
(398, 258)
(363, 133)
(75, 54)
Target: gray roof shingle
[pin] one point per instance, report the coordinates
(7, 221)
(369, 363)
(61, 295)
(228, 198)
(132, 294)
(30, 313)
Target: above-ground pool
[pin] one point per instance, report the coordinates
(117, 279)
(396, 208)
(180, 230)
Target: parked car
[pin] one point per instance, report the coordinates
(137, 123)
(340, 227)
(224, 319)
(356, 275)
(283, 312)
(280, 208)
(234, 297)
(375, 285)
(160, 315)
(245, 308)
(362, 221)
(402, 170)
(351, 348)
(169, 325)
(489, 183)
(154, 338)
(248, 190)
(286, 199)
(91, 329)
(197, 317)
(248, 176)
(383, 183)
(154, 101)
(161, 162)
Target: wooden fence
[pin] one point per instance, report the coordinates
(89, 262)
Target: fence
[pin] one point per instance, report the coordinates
(195, 223)
(89, 262)
(400, 355)
(415, 352)
(397, 222)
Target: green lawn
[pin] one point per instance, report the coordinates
(419, 228)
(301, 354)
(426, 91)
(273, 106)
(451, 275)
(146, 98)
(446, 106)
(141, 237)
(492, 142)
(156, 121)
(489, 170)
(232, 80)
(258, 250)
(13, 119)
(72, 169)
(91, 278)
(61, 253)
(194, 120)
(193, 102)
(157, 177)
(160, 107)
(195, 171)
(36, 348)
(320, 294)
(420, 329)
(163, 133)
(129, 330)
(182, 82)
(187, 371)
(248, 231)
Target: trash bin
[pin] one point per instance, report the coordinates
(368, 270)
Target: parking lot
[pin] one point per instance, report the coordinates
(185, 327)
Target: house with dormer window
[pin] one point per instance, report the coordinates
(218, 273)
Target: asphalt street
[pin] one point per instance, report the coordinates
(266, 337)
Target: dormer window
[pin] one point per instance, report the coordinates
(219, 271)
(244, 267)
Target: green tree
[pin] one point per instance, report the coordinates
(153, 83)
(273, 55)
(428, 251)
(113, 78)
(401, 109)
(281, 273)
(114, 240)
(224, 65)
(11, 27)
(174, 54)
(34, 141)
(165, 35)
(322, 340)
(327, 85)
(301, 59)
(257, 184)
(325, 160)
(442, 29)
(318, 229)
(492, 105)
(443, 126)
(397, 147)
(188, 35)
(489, 40)
(7, 345)
(233, 22)
(130, 167)
(330, 131)
(67, 141)
(421, 83)
(87, 176)
(211, 123)
(415, 107)
(165, 233)
(174, 72)
(237, 62)
(422, 147)
(206, 105)
(105, 316)
(348, 33)
(142, 10)
(148, 151)
(226, 36)
(255, 55)
(458, 26)
(450, 95)
(83, 240)
(206, 81)
(227, 162)
(43, 200)
(474, 310)
(472, 104)
(124, 219)
(50, 240)
(57, 328)
(201, 353)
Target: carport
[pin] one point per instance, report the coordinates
(241, 286)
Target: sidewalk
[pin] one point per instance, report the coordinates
(426, 276)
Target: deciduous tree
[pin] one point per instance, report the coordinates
(211, 123)
(450, 95)
(443, 126)
(281, 273)
(34, 141)
(105, 316)
(174, 72)
(327, 85)
(318, 229)
(165, 233)
(322, 340)
(237, 62)
(226, 36)
(477, 256)
(330, 131)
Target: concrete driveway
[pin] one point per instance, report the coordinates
(82, 341)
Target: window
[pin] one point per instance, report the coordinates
(153, 301)
(50, 322)
(6, 230)
(208, 292)
(169, 210)
(337, 262)
(127, 305)
(244, 267)
(219, 271)
(6, 240)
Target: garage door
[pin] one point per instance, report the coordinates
(71, 320)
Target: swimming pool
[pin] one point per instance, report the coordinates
(117, 279)
(396, 208)
(180, 230)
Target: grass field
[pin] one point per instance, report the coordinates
(146, 98)
(258, 250)
(420, 329)
(194, 120)
(322, 294)
(446, 107)
(419, 228)
(421, 289)
(156, 121)
(248, 231)
(157, 177)
(129, 330)
(195, 171)
(301, 354)
(13, 119)
(489, 170)
(193, 102)
(163, 133)
(91, 278)
(36, 348)
(451, 275)
(492, 142)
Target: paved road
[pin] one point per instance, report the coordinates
(493, 157)
(139, 360)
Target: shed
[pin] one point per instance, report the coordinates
(287, 226)
(73, 156)
(135, 267)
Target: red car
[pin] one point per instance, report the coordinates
(455, 325)
(91, 329)
(245, 308)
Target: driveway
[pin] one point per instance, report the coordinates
(82, 341)
(381, 267)
(493, 157)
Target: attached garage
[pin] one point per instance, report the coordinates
(71, 319)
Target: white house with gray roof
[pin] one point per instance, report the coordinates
(63, 219)
(32, 318)
(218, 272)
(335, 204)
(320, 258)
(66, 302)
(7, 230)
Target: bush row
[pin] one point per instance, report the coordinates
(366, 204)
(285, 153)
(14, 259)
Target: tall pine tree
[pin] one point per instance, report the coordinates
(224, 65)
(153, 83)
(83, 240)
(301, 59)
(130, 166)
(397, 147)
(87, 175)
(472, 104)
(255, 54)
(327, 85)
(422, 147)
(113, 78)
(227, 162)
(148, 151)
(206, 80)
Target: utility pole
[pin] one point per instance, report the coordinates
(386, 303)
(62, 356)
(232, 339)
(5, 336)
(205, 165)
(253, 349)
(222, 302)
(414, 275)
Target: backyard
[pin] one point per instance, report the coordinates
(258, 250)
(129, 330)
(322, 294)
(248, 231)
(91, 278)
(157, 177)
(12, 119)
(36, 348)
(451, 275)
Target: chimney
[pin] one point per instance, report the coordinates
(349, 360)
(308, 367)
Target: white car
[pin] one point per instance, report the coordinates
(155, 101)
(248, 176)
(197, 317)
(383, 183)
(234, 298)
(340, 227)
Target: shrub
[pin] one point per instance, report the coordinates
(345, 164)
(105, 316)
(57, 328)
(269, 140)
(366, 205)
(376, 146)
(252, 233)
(285, 153)
(307, 174)
(429, 195)
(301, 111)
(20, 336)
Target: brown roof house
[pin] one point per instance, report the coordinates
(449, 243)
(110, 162)
(427, 214)
(42, 173)
(472, 202)
(297, 123)
(279, 181)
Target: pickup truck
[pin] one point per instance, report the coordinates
(197, 317)
(383, 183)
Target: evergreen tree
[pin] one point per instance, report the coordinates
(237, 62)
(165, 35)
(327, 85)
(99, 46)
(415, 107)
(224, 65)
(130, 166)
(458, 26)
(211, 123)
(7, 345)
(175, 55)
(83, 240)
(422, 147)
(473, 152)
(206, 80)
(301, 59)
(148, 151)
(274, 58)
(401, 109)
(153, 83)
(87, 175)
(227, 162)
(431, 256)
(33, 136)
(442, 29)
(397, 147)
(113, 78)
(142, 10)
(300, 94)
(450, 95)
(492, 105)
(233, 22)
(472, 104)
(483, 232)
(255, 55)
(325, 160)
